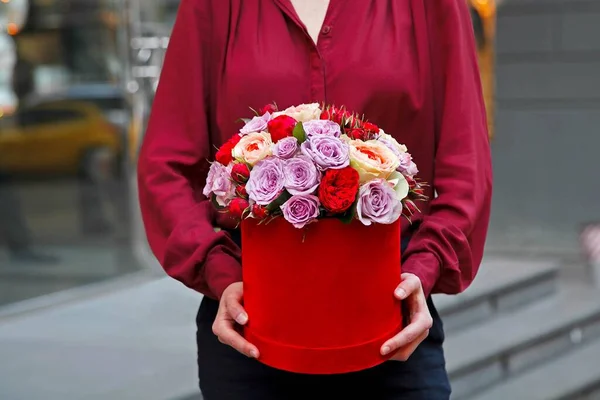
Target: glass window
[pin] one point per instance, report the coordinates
(64, 189)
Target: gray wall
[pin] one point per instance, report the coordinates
(547, 173)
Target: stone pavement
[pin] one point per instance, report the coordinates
(136, 341)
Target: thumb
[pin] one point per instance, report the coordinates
(409, 285)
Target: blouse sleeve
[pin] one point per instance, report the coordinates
(173, 164)
(447, 248)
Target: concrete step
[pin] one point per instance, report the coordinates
(502, 285)
(496, 350)
(575, 376)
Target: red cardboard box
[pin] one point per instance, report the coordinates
(321, 300)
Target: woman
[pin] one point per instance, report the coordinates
(410, 67)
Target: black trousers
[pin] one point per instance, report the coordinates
(225, 374)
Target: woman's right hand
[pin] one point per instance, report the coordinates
(230, 317)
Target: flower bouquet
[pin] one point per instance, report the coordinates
(319, 193)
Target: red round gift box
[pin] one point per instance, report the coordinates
(321, 299)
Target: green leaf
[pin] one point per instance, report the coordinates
(348, 216)
(299, 133)
(278, 202)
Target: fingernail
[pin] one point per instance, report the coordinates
(401, 293)
(385, 350)
(242, 318)
(253, 354)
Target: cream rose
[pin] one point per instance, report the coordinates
(302, 113)
(372, 159)
(253, 147)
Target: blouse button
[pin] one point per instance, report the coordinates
(326, 29)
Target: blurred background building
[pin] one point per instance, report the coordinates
(76, 82)
(77, 79)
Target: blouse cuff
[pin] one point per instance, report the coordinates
(426, 267)
(220, 271)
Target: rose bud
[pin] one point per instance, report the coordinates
(335, 114)
(269, 108)
(371, 128)
(326, 114)
(357, 134)
(240, 173)
(410, 208)
(259, 211)
(238, 207)
(348, 119)
(240, 191)
(420, 191)
(281, 127)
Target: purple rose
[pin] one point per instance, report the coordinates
(407, 166)
(301, 210)
(378, 202)
(391, 144)
(256, 124)
(412, 169)
(328, 152)
(266, 181)
(320, 127)
(218, 182)
(300, 175)
(286, 147)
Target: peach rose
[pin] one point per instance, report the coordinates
(372, 159)
(253, 147)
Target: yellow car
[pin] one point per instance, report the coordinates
(58, 137)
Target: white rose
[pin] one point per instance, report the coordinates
(253, 147)
(302, 113)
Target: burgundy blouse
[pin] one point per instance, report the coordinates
(407, 65)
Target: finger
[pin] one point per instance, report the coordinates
(235, 310)
(420, 324)
(409, 285)
(404, 353)
(229, 336)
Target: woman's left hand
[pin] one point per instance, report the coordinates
(407, 341)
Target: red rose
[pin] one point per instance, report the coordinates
(223, 155)
(338, 189)
(411, 182)
(269, 108)
(281, 127)
(241, 191)
(259, 211)
(238, 207)
(240, 173)
(357, 134)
